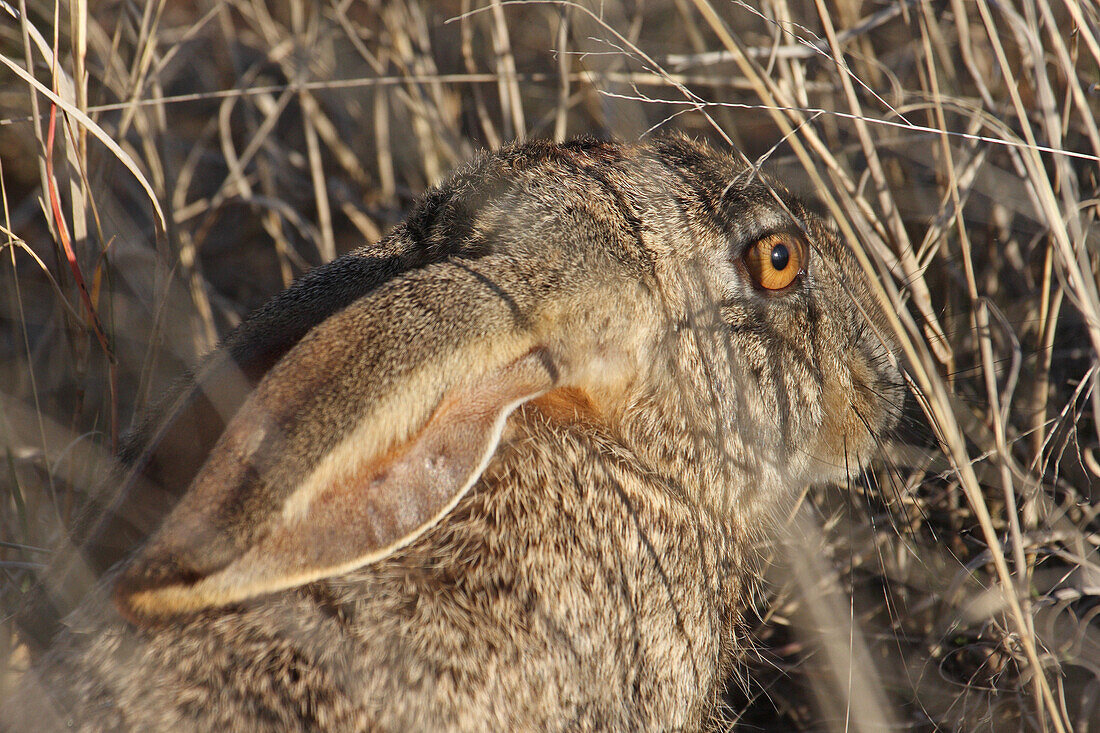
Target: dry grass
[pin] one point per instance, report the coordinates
(168, 166)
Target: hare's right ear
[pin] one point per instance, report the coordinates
(363, 436)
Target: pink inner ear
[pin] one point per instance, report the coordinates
(372, 506)
(386, 503)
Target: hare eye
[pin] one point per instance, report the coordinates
(775, 261)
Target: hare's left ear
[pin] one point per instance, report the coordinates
(367, 432)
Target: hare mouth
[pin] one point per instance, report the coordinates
(854, 418)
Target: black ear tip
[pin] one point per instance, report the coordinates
(142, 577)
(123, 596)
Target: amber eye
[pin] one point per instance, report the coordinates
(775, 261)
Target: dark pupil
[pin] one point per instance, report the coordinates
(781, 256)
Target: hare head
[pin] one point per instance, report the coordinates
(666, 293)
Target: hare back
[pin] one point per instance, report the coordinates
(569, 589)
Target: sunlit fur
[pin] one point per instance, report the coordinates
(595, 576)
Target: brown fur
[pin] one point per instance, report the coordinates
(594, 575)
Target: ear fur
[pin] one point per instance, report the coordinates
(354, 509)
(357, 441)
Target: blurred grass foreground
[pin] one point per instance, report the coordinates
(168, 166)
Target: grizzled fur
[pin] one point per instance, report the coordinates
(594, 575)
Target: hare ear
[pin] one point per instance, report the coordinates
(356, 442)
(357, 509)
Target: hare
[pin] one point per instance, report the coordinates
(509, 469)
